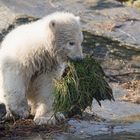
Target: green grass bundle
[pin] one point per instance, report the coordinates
(81, 82)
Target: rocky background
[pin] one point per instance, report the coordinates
(112, 34)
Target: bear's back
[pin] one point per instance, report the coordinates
(23, 38)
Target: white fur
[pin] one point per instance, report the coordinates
(31, 57)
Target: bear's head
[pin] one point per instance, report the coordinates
(67, 35)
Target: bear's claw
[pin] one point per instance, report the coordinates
(50, 120)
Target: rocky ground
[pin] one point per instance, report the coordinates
(112, 34)
(132, 3)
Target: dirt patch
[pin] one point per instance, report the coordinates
(26, 128)
(133, 94)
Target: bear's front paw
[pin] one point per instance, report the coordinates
(18, 114)
(24, 114)
(21, 113)
(45, 120)
(49, 120)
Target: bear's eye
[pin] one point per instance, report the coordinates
(71, 43)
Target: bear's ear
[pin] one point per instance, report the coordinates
(52, 24)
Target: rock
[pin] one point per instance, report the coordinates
(107, 18)
(6, 17)
(36, 8)
(11, 10)
(118, 110)
(2, 110)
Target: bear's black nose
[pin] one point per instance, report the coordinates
(78, 59)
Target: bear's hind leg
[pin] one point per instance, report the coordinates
(14, 93)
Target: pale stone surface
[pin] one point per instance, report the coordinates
(11, 9)
(36, 8)
(6, 16)
(108, 18)
(104, 17)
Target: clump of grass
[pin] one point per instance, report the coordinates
(81, 82)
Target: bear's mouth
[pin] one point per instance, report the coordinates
(77, 59)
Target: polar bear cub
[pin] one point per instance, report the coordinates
(31, 57)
